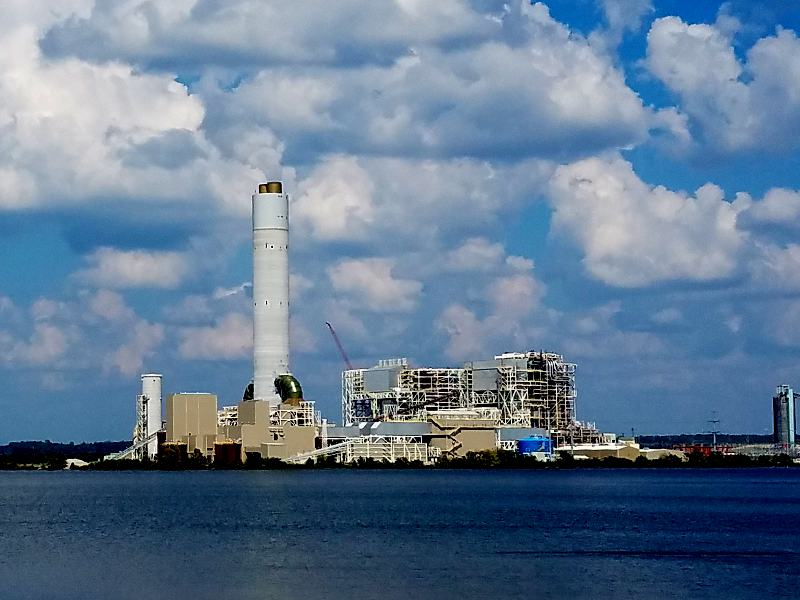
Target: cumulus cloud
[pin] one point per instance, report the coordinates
(299, 285)
(475, 254)
(47, 343)
(111, 306)
(109, 137)
(465, 332)
(734, 105)
(231, 337)
(371, 284)
(141, 342)
(335, 201)
(515, 295)
(512, 299)
(779, 207)
(103, 328)
(429, 89)
(633, 234)
(774, 267)
(415, 203)
(188, 33)
(134, 268)
(621, 17)
(591, 333)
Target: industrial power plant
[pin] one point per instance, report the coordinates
(517, 401)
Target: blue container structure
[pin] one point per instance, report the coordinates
(535, 445)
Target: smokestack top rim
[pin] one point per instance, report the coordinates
(271, 187)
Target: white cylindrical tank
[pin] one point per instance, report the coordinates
(151, 390)
(270, 289)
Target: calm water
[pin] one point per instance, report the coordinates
(402, 534)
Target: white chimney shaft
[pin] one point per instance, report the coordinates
(270, 289)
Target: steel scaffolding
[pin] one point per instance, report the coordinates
(302, 415)
(516, 389)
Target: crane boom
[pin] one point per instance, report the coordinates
(340, 347)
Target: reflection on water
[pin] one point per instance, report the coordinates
(401, 534)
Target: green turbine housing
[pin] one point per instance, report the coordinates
(289, 389)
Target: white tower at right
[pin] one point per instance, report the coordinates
(270, 289)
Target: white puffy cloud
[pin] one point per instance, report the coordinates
(109, 135)
(134, 268)
(121, 340)
(513, 301)
(412, 202)
(514, 296)
(111, 306)
(466, 333)
(202, 32)
(779, 207)
(591, 333)
(734, 105)
(431, 88)
(558, 97)
(775, 268)
(335, 201)
(141, 342)
(621, 16)
(46, 344)
(475, 254)
(633, 234)
(371, 284)
(80, 333)
(299, 286)
(231, 337)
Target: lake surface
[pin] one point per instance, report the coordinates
(401, 534)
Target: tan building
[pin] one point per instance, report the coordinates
(192, 420)
(457, 436)
(628, 451)
(288, 440)
(283, 434)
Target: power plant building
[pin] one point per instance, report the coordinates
(390, 411)
(520, 389)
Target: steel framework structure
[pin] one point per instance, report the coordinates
(140, 430)
(377, 447)
(529, 389)
(302, 415)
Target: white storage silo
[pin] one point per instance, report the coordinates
(151, 395)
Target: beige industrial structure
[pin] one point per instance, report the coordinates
(271, 432)
(624, 448)
(192, 420)
(458, 434)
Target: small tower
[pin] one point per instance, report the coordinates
(148, 415)
(783, 416)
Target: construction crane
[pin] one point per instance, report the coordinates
(340, 347)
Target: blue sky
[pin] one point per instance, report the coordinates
(615, 180)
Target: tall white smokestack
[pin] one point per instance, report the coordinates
(270, 289)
